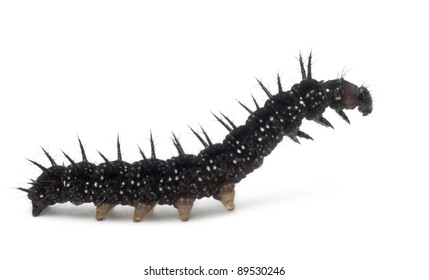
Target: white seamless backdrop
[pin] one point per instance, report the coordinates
(353, 204)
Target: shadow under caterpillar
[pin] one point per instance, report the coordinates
(214, 171)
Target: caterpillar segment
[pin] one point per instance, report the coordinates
(214, 171)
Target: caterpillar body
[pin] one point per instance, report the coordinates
(213, 172)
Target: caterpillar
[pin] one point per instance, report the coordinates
(214, 171)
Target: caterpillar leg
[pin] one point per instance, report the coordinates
(103, 210)
(142, 209)
(38, 208)
(226, 195)
(184, 206)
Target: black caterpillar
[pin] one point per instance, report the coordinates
(213, 172)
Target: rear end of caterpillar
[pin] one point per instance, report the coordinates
(213, 172)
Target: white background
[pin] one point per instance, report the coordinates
(353, 204)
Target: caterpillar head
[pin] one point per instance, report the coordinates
(341, 94)
(364, 101)
(345, 95)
